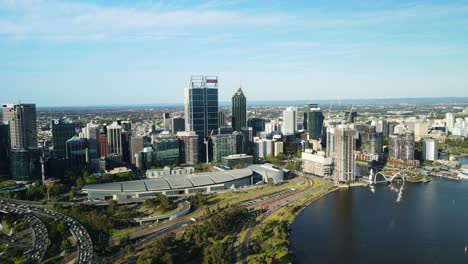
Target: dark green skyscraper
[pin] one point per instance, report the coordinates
(62, 130)
(239, 110)
(314, 121)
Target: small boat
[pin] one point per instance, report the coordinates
(466, 248)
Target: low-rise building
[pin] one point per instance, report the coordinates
(317, 164)
(233, 160)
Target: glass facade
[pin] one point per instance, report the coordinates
(62, 130)
(166, 152)
(76, 153)
(25, 164)
(239, 110)
(257, 124)
(223, 145)
(4, 149)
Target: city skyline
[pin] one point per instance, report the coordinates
(350, 50)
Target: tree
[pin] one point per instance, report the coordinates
(113, 207)
(164, 202)
(216, 254)
(66, 245)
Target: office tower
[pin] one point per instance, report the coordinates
(304, 120)
(136, 145)
(421, 129)
(450, 121)
(114, 142)
(4, 149)
(103, 145)
(167, 152)
(177, 124)
(92, 133)
(269, 147)
(126, 126)
(289, 144)
(223, 145)
(221, 119)
(189, 146)
(314, 121)
(351, 116)
(257, 124)
(330, 146)
(260, 149)
(201, 105)
(126, 158)
(248, 139)
(239, 110)
(401, 146)
(76, 153)
(166, 121)
(430, 149)
(25, 164)
(344, 153)
(62, 130)
(22, 121)
(239, 141)
(289, 120)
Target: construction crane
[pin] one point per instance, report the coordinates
(206, 141)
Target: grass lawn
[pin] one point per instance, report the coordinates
(120, 232)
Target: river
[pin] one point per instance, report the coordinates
(396, 223)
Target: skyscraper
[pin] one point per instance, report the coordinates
(25, 164)
(76, 153)
(114, 141)
(136, 145)
(344, 153)
(189, 146)
(290, 120)
(4, 149)
(177, 124)
(314, 121)
(166, 121)
(450, 121)
(239, 110)
(23, 127)
(223, 145)
(401, 146)
(62, 130)
(430, 149)
(257, 124)
(103, 145)
(201, 105)
(92, 132)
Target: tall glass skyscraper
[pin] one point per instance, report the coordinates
(239, 110)
(201, 105)
(4, 149)
(26, 164)
(62, 130)
(314, 121)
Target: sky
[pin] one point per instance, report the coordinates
(78, 53)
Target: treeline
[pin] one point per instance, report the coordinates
(205, 243)
(36, 193)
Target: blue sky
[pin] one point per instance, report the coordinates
(57, 53)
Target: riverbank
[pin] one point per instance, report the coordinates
(272, 238)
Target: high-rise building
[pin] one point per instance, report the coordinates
(314, 121)
(23, 127)
(76, 153)
(401, 146)
(4, 149)
(126, 158)
(450, 121)
(371, 141)
(136, 145)
(25, 164)
(92, 132)
(257, 124)
(177, 124)
(278, 148)
(166, 121)
(167, 152)
(290, 120)
(103, 145)
(260, 149)
(223, 145)
(62, 130)
(114, 142)
(126, 125)
(221, 119)
(344, 153)
(189, 146)
(201, 105)
(239, 110)
(248, 139)
(430, 149)
(240, 142)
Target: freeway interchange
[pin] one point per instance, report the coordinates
(83, 240)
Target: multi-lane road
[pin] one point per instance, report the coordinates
(83, 240)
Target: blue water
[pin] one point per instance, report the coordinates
(397, 223)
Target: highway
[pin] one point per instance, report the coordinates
(39, 232)
(84, 243)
